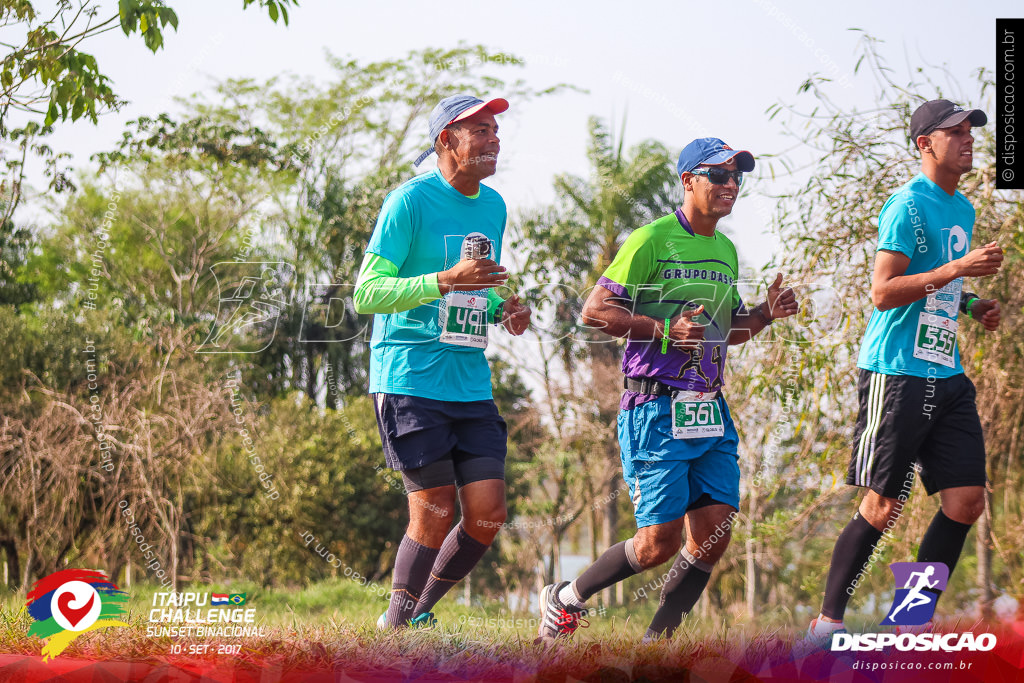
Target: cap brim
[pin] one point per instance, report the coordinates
(495, 106)
(744, 159)
(976, 116)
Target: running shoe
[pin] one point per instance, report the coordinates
(818, 638)
(557, 619)
(420, 621)
(424, 621)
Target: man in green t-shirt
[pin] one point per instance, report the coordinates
(671, 293)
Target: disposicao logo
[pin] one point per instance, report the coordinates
(913, 604)
(71, 602)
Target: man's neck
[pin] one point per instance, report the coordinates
(464, 184)
(699, 223)
(947, 180)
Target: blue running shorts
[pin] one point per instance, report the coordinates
(666, 476)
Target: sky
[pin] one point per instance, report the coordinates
(672, 71)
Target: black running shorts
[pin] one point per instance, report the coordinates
(905, 420)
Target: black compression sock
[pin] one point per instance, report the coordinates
(687, 580)
(617, 563)
(412, 569)
(943, 542)
(849, 558)
(459, 554)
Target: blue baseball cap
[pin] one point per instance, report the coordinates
(455, 108)
(712, 151)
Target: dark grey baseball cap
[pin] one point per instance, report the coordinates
(936, 114)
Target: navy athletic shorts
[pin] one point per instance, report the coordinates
(417, 431)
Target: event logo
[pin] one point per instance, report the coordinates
(956, 243)
(193, 614)
(252, 297)
(914, 603)
(71, 602)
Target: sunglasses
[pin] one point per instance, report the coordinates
(720, 176)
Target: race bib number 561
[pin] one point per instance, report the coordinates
(693, 417)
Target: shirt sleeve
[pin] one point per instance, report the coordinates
(632, 266)
(393, 234)
(737, 303)
(380, 290)
(896, 225)
(493, 302)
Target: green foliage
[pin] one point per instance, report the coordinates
(14, 247)
(573, 241)
(219, 184)
(198, 143)
(332, 153)
(327, 468)
(48, 78)
(148, 17)
(275, 8)
(50, 62)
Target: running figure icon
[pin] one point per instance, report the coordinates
(916, 597)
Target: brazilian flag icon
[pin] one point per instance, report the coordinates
(237, 598)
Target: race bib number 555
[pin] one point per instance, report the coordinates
(935, 340)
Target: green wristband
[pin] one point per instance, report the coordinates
(970, 302)
(664, 339)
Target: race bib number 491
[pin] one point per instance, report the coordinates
(463, 319)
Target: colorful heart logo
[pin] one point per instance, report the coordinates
(73, 615)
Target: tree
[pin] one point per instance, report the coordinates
(327, 156)
(47, 75)
(127, 264)
(47, 69)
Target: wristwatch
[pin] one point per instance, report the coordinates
(965, 299)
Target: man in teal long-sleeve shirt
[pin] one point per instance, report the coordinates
(429, 274)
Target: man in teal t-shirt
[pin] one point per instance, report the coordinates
(671, 293)
(428, 275)
(422, 226)
(917, 408)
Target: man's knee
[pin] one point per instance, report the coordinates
(430, 514)
(710, 549)
(966, 508)
(483, 508)
(654, 548)
(880, 511)
(489, 518)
